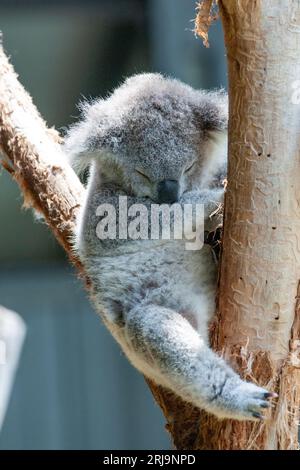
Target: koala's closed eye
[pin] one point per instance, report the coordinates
(190, 167)
(141, 173)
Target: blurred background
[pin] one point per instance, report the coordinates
(74, 389)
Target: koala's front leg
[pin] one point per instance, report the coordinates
(166, 348)
(211, 199)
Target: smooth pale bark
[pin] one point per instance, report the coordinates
(257, 327)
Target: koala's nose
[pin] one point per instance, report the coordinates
(168, 191)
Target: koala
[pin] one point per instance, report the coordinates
(156, 140)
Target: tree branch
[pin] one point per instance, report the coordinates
(35, 160)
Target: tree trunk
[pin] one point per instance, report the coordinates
(33, 157)
(257, 326)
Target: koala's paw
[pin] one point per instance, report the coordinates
(246, 401)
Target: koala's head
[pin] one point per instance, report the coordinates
(154, 136)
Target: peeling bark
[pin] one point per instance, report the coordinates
(204, 18)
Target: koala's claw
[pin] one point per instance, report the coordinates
(271, 395)
(250, 401)
(257, 401)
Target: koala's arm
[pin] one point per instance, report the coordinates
(211, 198)
(171, 352)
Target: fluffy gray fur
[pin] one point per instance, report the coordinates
(155, 296)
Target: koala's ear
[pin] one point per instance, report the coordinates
(94, 136)
(211, 112)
